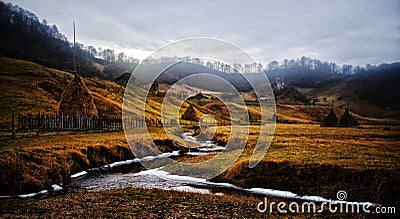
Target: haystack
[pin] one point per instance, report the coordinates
(190, 114)
(331, 120)
(77, 100)
(347, 120)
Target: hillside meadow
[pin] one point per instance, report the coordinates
(29, 88)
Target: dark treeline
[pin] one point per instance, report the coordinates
(309, 64)
(24, 36)
(307, 72)
(299, 66)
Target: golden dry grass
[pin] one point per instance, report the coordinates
(368, 147)
(313, 160)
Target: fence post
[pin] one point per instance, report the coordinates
(38, 123)
(18, 122)
(12, 126)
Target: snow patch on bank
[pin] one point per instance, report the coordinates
(76, 175)
(127, 162)
(55, 188)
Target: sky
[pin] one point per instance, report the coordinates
(357, 32)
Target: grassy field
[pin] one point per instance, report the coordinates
(309, 159)
(367, 147)
(146, 203)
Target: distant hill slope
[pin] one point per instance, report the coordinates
(302, 77)
(27, 87)
(23, 36)
(177, 71)
(375, 93)
(372, 93)
(123, 79)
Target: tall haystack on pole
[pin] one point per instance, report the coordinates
(76, 99)
(331, 120)
(347, 119)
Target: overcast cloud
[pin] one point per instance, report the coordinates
(343, 31)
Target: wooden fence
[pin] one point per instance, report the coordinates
(41, 123)
(58, 123)
(51, 123)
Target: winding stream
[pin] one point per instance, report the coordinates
(112, 176)
(153, 178)
(161, 179)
